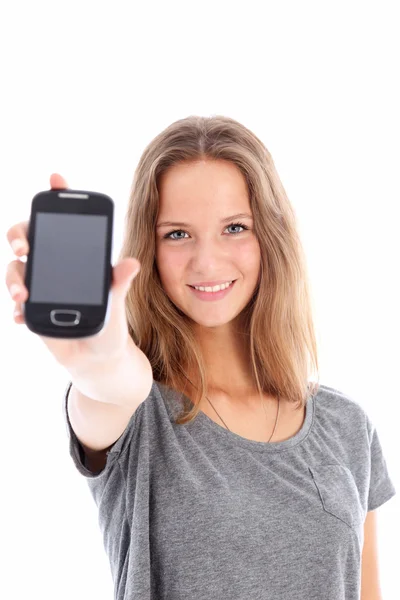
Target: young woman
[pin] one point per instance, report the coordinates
(218, 469)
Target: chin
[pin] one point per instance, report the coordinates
(208, 314)
(211, 319)
(211, 323)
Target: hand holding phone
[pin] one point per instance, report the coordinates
(55, 312)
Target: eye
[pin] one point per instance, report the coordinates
(168, 235)
(238, 225)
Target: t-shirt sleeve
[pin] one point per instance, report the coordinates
(76, 451)
(381, 487)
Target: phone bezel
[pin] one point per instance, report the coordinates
(37, 314)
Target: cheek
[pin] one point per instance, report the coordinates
(249, 256)
(172, 264)
(169, 264)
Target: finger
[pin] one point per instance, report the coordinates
(18, 315)
(57, 182)
(15, 275)
(17, 237)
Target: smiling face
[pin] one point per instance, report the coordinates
(209, 247)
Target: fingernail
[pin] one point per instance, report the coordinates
(17, 245)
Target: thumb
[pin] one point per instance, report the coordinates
(124, 272)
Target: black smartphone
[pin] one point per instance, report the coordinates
(68, 268)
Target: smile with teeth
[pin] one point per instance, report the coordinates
(216, 288)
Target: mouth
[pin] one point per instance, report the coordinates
(230, 285)
(212, 296)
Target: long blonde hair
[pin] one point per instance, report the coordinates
(278, 320)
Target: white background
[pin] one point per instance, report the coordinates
(85, 86)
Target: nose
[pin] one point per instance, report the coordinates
(209, 257)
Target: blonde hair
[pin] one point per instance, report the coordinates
(278, 320)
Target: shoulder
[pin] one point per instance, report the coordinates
(340, 409)
(171, 401)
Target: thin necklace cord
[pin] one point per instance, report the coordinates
(276, 420)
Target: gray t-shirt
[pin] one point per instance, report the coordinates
(197, 512)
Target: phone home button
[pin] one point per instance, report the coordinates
(73, 317)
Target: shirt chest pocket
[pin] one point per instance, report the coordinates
(338, 493)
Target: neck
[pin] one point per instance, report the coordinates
(226, 356)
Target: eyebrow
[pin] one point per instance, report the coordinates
(176, 224)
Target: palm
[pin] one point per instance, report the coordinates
(106, 344)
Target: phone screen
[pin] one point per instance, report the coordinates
(68, 258)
